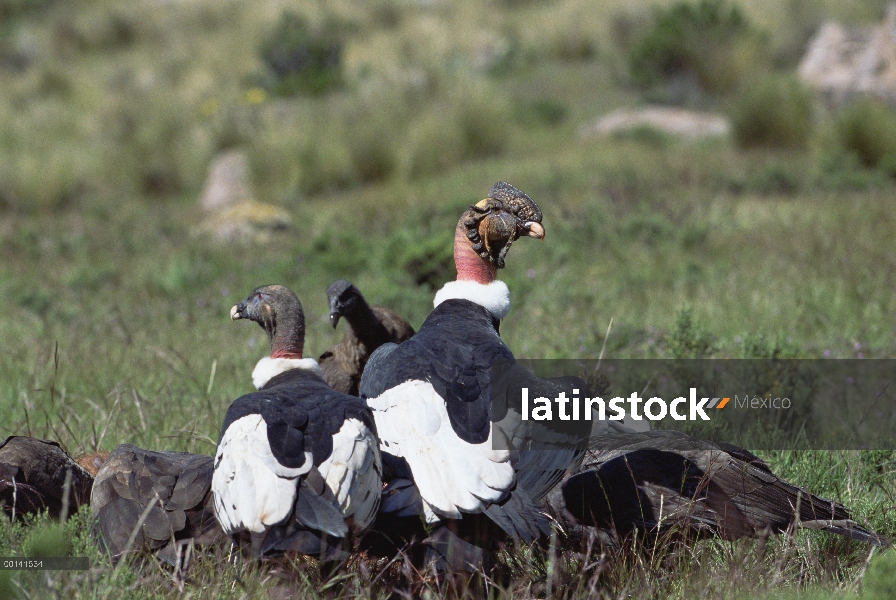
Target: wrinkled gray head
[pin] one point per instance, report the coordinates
(343, 297)
(278, 310)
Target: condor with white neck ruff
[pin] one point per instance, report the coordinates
(431, 399)
(297, 466)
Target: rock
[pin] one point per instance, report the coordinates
(228, 181)
(846, 62)
(246, 221)
(231, 212)
(674, 121)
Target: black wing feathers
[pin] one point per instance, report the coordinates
(375, 379)
(454, 348)
(302, 414)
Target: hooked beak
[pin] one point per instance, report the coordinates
(534, 229)
(238, 311)
(335, 312)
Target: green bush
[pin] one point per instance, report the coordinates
(711, 42)
(690, 338)
(304, 59)
(868, 130)
(880, 579)
(544, 111)
(14, 8)
(775, 111)
(840, 169)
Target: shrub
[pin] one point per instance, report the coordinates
(689, 338)
(840, 170)
(868, 130)
(880, 579)
(544, 111)
(711, 42)
(775, 111)
(304, 59)
(15, 8)
(426, 258)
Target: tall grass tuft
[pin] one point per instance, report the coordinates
(774, 111)
(868, 129)
(880, 579)
(305, 58)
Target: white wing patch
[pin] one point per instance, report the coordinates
(251, 489)
(453, 476)
(353, 472)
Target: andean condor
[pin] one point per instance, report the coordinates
(297, 466)
(661, 482)
(431, 399)
(38, 475)
(155, 501)
(369, 327)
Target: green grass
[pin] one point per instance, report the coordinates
(115, 313)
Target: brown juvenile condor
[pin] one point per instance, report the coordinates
(33, 477)
(666, 481)
(432, 400)
(369, 327)
(297, 467)
(162, 499)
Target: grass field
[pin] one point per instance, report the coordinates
(115, 324)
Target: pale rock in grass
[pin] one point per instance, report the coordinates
(847, 62)
(673, 121)
(228, 181)
(231, 212)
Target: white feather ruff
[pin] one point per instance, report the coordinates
(251, 489)
(453, 476)
(493, 296)
(353, 472)
(268, 368)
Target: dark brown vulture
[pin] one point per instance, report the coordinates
(666, 481)
(164, 496)
(33, 476)
(432, 401)
(369, 327)
(297, 467)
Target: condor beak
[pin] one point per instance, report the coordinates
(335, 312)
(534, 229)
(236, 311)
